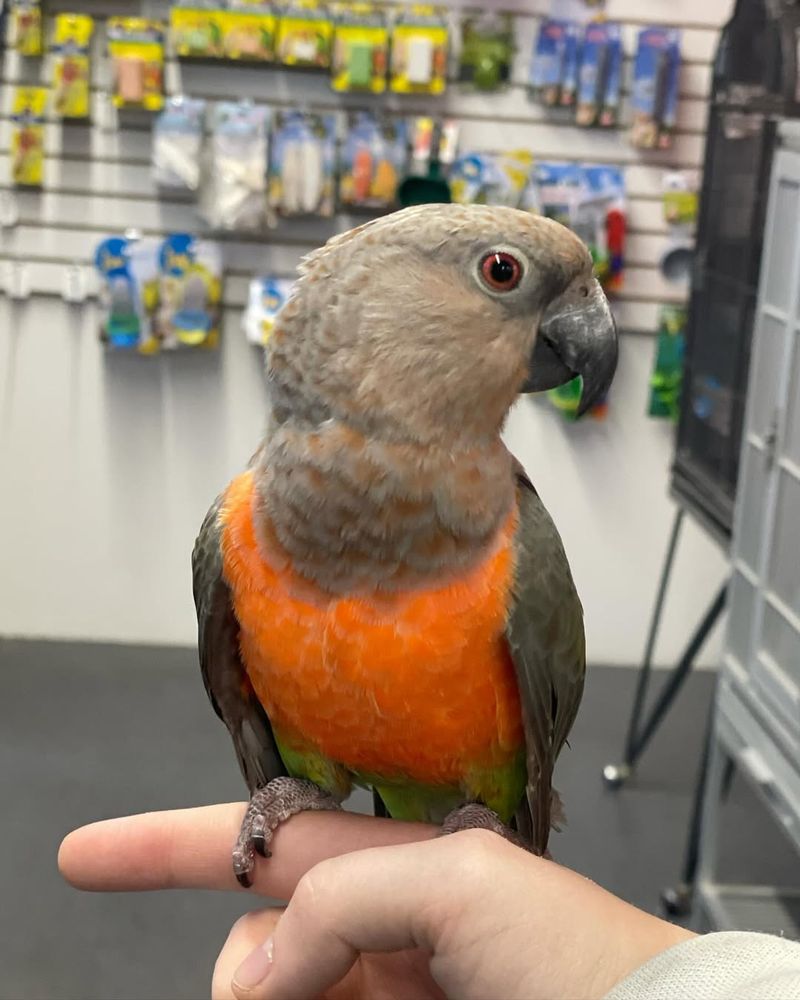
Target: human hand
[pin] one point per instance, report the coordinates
(468, 914)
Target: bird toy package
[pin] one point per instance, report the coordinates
(420, 39)
(360, 48)
(667, 377)
(235, 175)
(136, 48)
(492, 178)
(600, 75)
(305, 35)
(195, 29)
(590, 200)
(177, 144)
(26, 27)
(266, 298)
(248, 30)
(370, 613)
(302, 162)
(374, 158)
(189, 292)
(654, 96)
(223, 29)
(71, 66)
(487, 49)
(554, 69)
(129, 274)
(28, 107)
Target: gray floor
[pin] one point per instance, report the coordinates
(93, 731)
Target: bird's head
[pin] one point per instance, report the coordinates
(426, 324)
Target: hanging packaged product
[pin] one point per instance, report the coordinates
(554, 68)
(600, 221)
(305, 35)
(248, 30)
(667, 377)
(680, 214)
(487, 49)
(129, 292)
(360, 48)
(302, 161)
(71, 67)
(27, 136)
(136, 48)
(491, 178)
(26, 27)
(235, 175)
(654, 96)
(590, 200)
(189, 292)
(567, 398)
(419, 51)
(600, 75)
(265, 299)
(195, 29)
(177, 144)
(373, 160)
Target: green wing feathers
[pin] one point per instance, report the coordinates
(546, 640)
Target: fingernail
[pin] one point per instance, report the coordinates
(255, 968)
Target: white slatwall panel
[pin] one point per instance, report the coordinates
(97, 179)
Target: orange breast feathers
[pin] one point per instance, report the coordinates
(417, 686)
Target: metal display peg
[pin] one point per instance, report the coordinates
(75, 285)
(17, 280)
(9, 209)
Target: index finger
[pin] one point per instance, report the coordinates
(191, 849)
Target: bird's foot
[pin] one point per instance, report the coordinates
(270, 806)
(478, 817)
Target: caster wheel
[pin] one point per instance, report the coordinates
(677, 902)
(615, 775)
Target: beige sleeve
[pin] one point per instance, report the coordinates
(721, 966)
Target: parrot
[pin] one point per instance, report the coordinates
(383, 600)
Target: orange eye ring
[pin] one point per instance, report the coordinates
(501, 271)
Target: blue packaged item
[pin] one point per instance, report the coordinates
(301, 164)
(129, 271)
(554, 70)
(189, 292)
(654, 96)
(600, 75)
(266, 298)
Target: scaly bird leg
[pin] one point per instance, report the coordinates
(478, 817)
(270, 806)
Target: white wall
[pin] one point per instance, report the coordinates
(108, 463)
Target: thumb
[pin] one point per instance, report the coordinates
(381, 900)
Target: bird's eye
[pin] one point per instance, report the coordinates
(501, 271)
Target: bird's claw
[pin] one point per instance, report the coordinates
(475, 816)
(269, 807)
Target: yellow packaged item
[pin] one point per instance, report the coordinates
(360, 48)
(248, 30)
(136, 48)
(419, 51)
(27, 136)
(305, 35)
(26, 27)
(71, 66)
(196, 30)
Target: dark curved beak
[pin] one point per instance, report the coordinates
(577, 336)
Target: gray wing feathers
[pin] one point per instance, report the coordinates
(546, 641)
(224, 676)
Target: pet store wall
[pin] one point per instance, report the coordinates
(110, 452)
